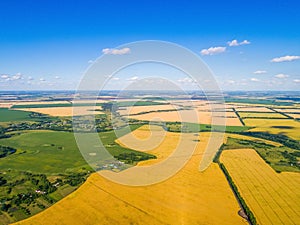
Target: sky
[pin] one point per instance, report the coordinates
(248, 45)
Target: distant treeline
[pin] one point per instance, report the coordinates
(258, 101)
(280, 138)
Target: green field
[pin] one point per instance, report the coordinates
(54, 151)
(47, 151)
(7, 115)
(194, 127)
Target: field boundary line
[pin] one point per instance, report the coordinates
(126, 202)
(238, 115)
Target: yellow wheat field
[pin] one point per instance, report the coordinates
(40, 102)
(288, 127)
(191, 116)
(252, 109)
(64, 111)
(142, 109)
(189, 197)
(273, 198)
(294, 115)
(194, 103)
(6, 104)
(261, 115)
(291, 110)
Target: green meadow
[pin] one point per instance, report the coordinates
(7, 115)
(51, 152)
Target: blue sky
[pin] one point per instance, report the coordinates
(49, 44)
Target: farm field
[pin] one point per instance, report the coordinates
(288, 110)
(198, 105)
(288, 127)
(258, 101)
(243, 137)
(65, 111)
(6, 104)
(51, 158)
(145, 109)
(193, 197)
(294, 115)
(47, 151)
(203, 105)
(55, 152)
(191, 116)
(7, 115)
(24, 104)
(190, 103)
(252, 109)
(261, 115)
(21, 103)
(147, 138)
(281, 158)
(48, 104)
(51, 152)
(272, 197)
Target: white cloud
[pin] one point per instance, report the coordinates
(4, 76)
(57, 77)
(92, 61)
(42, 79)
(133, 78)
(281, 76)
(286, 58)
(113, 51)
(297, 80)
(260, 72)
(115, 78)
(254, 79)
(236, 43)
(30, 78)
(18, 76)
(213, 50)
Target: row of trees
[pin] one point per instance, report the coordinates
(280, 138)
(250, 216)
(133, 157)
